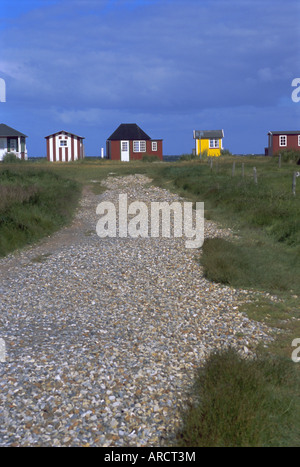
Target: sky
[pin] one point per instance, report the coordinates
(170, 66)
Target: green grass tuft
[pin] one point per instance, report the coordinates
(33, 204)
(262, 266)
(243, 403)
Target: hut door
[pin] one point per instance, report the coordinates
(125, 151)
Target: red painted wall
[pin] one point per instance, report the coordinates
(115, 154)
(113, 149)
(149, 152)
(292, 143)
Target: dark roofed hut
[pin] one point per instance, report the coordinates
(129, 142)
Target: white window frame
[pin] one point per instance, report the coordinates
(124, 146)
(63, 143)
(214, 143)
(154, 146)
(139, 146)
(282, 141)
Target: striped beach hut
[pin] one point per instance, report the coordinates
(64, 146)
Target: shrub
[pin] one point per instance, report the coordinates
(148, 158)
(204, 154)
(289, 155)
(188, 157)
(225, 152)
(11, 158)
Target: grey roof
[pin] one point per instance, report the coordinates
(128, 131)
(208, 134)
(283, 132)
(6, 130)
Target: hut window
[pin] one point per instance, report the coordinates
(282, 140)
(139, 146)
(63, 143)
(213, 143)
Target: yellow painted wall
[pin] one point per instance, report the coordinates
(203, 145)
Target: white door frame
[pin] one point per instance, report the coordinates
(13, 145)
(3, 147)
(124, 151)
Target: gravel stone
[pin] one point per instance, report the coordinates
(103, 335)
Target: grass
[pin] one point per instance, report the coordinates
(236, 401)
(33, 204)
(243, 403)
(243, 263)
(237, 202)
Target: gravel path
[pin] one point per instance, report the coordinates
(102, 336)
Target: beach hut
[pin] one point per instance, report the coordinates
(64, 146)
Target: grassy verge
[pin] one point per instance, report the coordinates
(33, 204)
(259, 265)
(243, 403)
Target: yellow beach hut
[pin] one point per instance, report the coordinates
(208, 141)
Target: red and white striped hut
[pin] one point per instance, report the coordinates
(64, 147)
